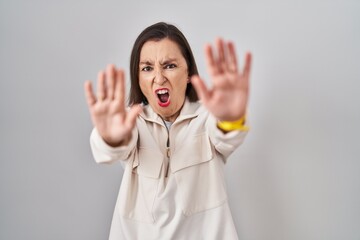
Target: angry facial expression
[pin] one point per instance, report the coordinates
(163, 77)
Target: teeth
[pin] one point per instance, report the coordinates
(163, 91)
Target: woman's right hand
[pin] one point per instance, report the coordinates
(107, 109)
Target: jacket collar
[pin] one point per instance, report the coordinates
(188, 110)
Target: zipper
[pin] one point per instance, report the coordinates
(168, 151)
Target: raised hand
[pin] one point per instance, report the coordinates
(108, 113)
(228, 97)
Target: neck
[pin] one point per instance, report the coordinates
(171, 118)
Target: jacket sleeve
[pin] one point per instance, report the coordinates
(103, 153)
(224, 143)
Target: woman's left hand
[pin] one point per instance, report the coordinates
(227, 100)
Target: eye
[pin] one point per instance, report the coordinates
(146, 69)
(170, 66)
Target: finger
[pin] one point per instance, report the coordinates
(210, 60)
(110, 79)
(200, 88)
(135, 110)
(101, 94)
(221, 61)
(120, 87)
(90, 97)
(231, 59)
(247, 69)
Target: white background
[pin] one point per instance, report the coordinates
(296, 177)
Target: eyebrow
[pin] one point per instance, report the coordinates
(146, 62)
(166, 61)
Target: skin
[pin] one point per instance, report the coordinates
(226, 100)
(162, 66)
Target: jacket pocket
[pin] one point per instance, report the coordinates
(140, 184)
(199, 175)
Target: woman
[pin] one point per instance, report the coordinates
(173, 147)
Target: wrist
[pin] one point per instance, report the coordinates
(238, 125)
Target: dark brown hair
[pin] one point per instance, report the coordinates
(157, 32)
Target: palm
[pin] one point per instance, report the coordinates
(109, 120)
(227, 100)
(107, 110)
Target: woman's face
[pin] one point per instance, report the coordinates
(163, 77)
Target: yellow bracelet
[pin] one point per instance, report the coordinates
(231, 126)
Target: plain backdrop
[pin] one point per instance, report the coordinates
(296, 177)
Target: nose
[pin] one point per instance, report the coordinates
(159, 78)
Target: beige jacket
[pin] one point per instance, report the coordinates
(194, 151)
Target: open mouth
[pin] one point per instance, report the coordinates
(163, 96)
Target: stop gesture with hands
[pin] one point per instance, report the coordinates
(227, 100)
(107, 109)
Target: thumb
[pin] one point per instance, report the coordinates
(132, 115)
(200, 88)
